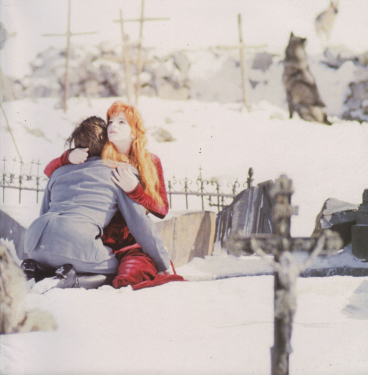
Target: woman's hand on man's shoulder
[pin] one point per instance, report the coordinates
(124, 178)
(78, 156)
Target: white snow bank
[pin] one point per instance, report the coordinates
(209, 327)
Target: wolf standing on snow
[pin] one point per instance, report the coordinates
(301, 89)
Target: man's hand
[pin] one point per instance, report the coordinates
(125, 178)
(78, 156)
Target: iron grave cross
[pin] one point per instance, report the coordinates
(286, 269)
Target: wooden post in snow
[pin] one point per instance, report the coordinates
(126, 60)
(139, 63)
(243, 63)
(68, 35)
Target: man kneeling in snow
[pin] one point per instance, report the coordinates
(78, 203)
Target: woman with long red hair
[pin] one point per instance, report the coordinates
(139, 173)
(127, 143)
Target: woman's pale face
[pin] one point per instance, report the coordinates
(118, 129)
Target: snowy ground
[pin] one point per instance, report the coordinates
(209, 327)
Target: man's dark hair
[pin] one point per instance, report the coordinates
(91, 133)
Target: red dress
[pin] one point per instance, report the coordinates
(134, 265)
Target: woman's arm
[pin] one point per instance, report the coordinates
(138, 194)
(76, 156)
(57, 163)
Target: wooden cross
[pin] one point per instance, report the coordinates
(286, 269)
(141, 20)
(125, 59)
(68, 35)
(241, 47)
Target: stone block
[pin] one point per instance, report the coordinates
(360, 230)
(249, 213)
(362, 214)
(360, 241)
(188, 235)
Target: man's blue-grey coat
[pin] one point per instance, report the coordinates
(79, 201)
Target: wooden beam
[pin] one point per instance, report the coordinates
(68, 35)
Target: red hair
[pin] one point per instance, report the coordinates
(138, 155)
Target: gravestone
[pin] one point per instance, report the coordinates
(360, 230)
(249, 213)
(187, 235)
(338, 216)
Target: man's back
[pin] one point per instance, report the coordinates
(79, 201)
(85, 189)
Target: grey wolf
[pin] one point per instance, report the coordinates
(301, 89)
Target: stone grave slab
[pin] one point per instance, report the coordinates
(249, 213)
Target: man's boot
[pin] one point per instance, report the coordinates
(67, 277)
(29, 267)
(70, 279)
(33, 271)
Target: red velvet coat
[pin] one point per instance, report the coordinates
(117, 235)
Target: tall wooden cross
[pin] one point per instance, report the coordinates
(68, 35)
(139, 63)
(126, 59)
(286, 269)
(243, 64)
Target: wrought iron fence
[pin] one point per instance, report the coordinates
(16, 177)
(210, 193)
(27, 177)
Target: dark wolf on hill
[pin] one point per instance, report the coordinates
(301, 89)
(13, 290)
